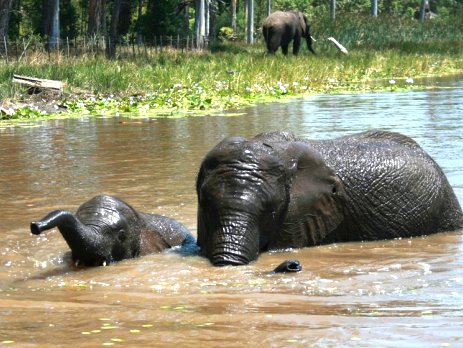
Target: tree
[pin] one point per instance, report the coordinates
(233, 15)
(374, 8)
(423, 7)
(162, 17)
(250, 21)
(200, 22)
(5, 11)
(333, 9)
(51, 27)
(112, 39)
(96, 17)
(68, 20)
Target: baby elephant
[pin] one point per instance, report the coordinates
(106, 229)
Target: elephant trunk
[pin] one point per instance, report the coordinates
(309, 42)
(237, 243)
(79, 237)
(56, 218)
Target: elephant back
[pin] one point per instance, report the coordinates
(394, 188)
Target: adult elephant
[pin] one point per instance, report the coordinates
(276, 191)
(106, 229)
(280, 28)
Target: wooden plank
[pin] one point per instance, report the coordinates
(36, 82)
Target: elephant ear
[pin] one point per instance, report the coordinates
(316, 199)
(303, 22)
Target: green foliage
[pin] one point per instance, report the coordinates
(380, 50)
(389, 32)
(68, 19)
(226, 34)
(161, 19)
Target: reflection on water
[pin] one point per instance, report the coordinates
(390, 293)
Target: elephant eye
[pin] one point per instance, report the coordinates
(334, 190)
(121, 235)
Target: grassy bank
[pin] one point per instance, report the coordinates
(235, 75)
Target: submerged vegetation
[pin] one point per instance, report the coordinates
(384, 53)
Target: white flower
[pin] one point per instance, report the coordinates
(295, 83)
(332, 80)
(409, 80)
(392, 81)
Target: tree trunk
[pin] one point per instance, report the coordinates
(96, 17)
(111, 46)
(5, 10)
(200, 25)
(212, 22)
(206, 17)
(233, 15)
(374, 8)
(423, 6)
(333, 9)
(269, 7)
(250, 22)
(186, 20)
(50, 22)
(138, 25)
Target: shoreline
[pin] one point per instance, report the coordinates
(51, 106)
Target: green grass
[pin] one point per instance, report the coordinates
(236, 74)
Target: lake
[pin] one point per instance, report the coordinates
(406, 292)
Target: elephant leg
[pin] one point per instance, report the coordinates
(284, 48)
(272, 44)
(271, 49)
(296, 45)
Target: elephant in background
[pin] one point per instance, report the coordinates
(276, 191)
(105, 229)
(280, 28)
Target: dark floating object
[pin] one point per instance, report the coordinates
(288, 266)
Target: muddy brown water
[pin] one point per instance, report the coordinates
(399, 293)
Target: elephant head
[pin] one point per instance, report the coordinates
(106, 229)
(305, 27)
(251, 194)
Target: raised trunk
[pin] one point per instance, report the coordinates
(83, 240)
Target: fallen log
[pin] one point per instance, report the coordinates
(39, 83)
